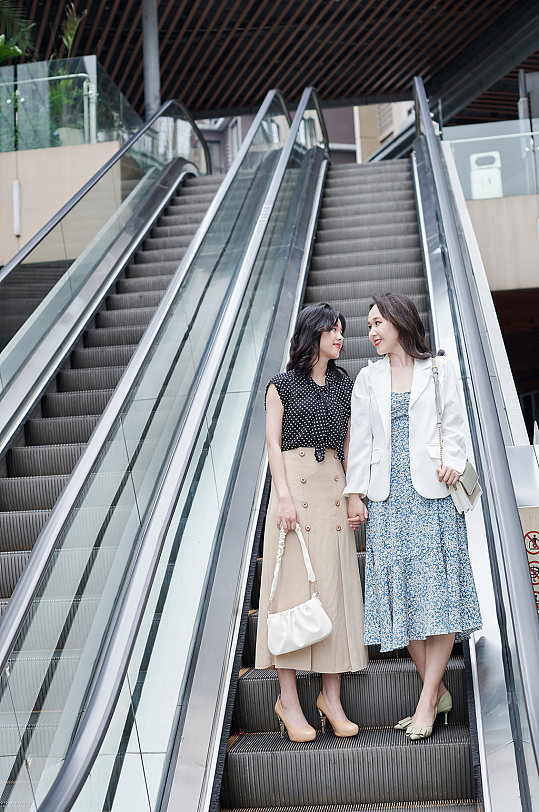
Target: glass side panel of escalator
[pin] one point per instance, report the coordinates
(73, 249)
(42, 699)
(135, 757)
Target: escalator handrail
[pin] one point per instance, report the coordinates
(21, 255)
(115, 660)
(522, 606)
(28, 584)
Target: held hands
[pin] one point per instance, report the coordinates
(448, 475)
(357, 511)
(286, 514)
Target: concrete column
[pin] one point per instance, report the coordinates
(150, 49)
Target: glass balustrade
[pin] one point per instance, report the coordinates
(137, 748)
(51, 667)
(72, 250)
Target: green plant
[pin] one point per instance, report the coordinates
(66, 95)
(17, 35)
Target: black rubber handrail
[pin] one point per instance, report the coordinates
(522, 607)
(121, 639)
(72, 202)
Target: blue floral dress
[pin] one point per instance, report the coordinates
(418, 578)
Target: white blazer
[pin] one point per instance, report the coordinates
(369, 457)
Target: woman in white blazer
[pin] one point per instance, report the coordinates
(419, 588)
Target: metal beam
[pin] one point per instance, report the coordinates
(150, 48)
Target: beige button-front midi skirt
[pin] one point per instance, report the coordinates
(316, 489)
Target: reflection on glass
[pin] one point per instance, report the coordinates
(496, 159)
(72, 250)
(55, 656)
(161, 659)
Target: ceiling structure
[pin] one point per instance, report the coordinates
(221, 56)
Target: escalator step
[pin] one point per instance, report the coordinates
(362, 698)
(354, 196)
(377, 168)
(371, 242)
(367, 218)
(60, 430)
(367, 184)
(43, 460)
(140, 316)
(142, 283)
(346, 234)
(20, 528)
(171, 232)
(457, 806)
(173, 217)
(86, 379)
(92, 357)
(117, 301)
(373, 207)
(369, 283)
(12, 564)
(388, 256)
(168, 243)
(63, 404)
(118, 336)
(377, 765)
(407, 270)
(154, 259)
(30, 493)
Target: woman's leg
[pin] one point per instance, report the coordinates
(418, 653)
(289, 697)
(331, 691)
(437, 653)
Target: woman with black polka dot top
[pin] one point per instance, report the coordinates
(307, 434)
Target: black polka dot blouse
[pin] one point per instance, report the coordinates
(314, 416)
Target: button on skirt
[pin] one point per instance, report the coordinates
(316, 489)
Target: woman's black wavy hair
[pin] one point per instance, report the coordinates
(305, 343)
(402, 313)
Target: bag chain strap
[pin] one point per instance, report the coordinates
(438, 409)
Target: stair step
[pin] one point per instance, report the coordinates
(167, 243)
(140, 316)
(362, 699)
(353, 196)
(92, 357)
(132, 284)
(450, 806)
(116, 336)
(117, 301)
(377, 765)
(414, 286)
(184, 230)
(60, 430)
(337, 234)
(407, 270)
(20, 528)
(12, 564)
(30, 493)
(43, 460)
(362, 259)
(59, 404)
(86, 379)
(357, 244)
(366, 217)
(335, 186)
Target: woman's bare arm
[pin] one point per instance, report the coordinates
(274, 423)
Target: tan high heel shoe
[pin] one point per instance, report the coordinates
(341, 729)
(295, 734)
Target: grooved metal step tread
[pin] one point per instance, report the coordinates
(338, 234)
(43, 460)
(116, 336)
(357, 243)
(362, 259)
(180, 230)
(354, 196)
(155, 257)
(362, 698)
(86, 379)
(413, 806)
(376, 765)
(20, 528)
(367, 207)
(93, 357)
(60, 404)
(60, 430)
(140, 316)
(30, 493)
(333, 186)
(366, 218)
(413, 285)
(164, 243)
(133, 284)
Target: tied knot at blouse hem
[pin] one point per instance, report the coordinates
(314, 416)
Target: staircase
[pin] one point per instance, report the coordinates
(39, 462)
(367, 242)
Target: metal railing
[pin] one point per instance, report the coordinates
(521, 614)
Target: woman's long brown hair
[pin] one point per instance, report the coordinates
(402, 313)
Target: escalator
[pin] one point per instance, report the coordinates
(367, 242)
(127, 650)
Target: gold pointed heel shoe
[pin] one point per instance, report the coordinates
(341, 729)
(295, 734)
(403, 724)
